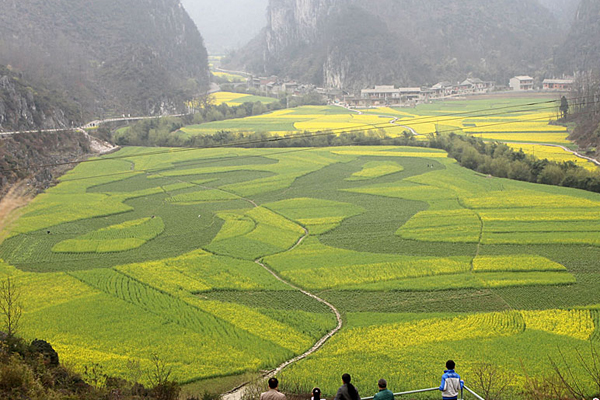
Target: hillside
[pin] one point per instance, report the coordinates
(564, 10)
(353, 43)
(581, 50)
(108, 56)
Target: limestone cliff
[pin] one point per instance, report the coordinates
(292, 22)
(23, 107)
(352, 43)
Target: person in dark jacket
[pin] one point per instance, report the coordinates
(384, 393)
(347, 391)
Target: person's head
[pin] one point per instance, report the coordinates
(450, 364)
(273, 383)
(346, 378)
(382, 383)
(316, 394)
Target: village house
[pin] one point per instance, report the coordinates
(443, 89)
(521, 83)
(388, 95)
(562, 85)
(290, 87)
(475, 85)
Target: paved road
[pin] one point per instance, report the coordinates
(36, 131)
(89, 125)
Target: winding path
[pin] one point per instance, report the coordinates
(238, 392)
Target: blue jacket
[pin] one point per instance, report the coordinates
(451, 385)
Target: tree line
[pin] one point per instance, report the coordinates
(502, 161)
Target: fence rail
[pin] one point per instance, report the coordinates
(478, 397)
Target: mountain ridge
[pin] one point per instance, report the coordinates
(107, 56)
(350, 44)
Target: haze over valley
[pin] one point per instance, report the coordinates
(198, 196)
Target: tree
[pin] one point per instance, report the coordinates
(564, 107)
(551, 175)
(10, 306)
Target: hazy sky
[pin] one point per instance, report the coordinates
(227, 24)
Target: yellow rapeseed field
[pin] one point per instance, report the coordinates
(577, 324)
(553, 153)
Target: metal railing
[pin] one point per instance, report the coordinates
(435, 389)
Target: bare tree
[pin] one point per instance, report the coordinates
(490, 381)
(159, 376)
(10, 306)
(576, 383)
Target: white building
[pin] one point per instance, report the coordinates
(389, 95)
(521, 83)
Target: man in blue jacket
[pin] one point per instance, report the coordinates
(451, 383)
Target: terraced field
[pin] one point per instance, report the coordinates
(155, 254)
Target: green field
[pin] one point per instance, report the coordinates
(521, 122)
(155, 254)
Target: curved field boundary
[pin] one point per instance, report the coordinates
(392, 122)
(321, 341)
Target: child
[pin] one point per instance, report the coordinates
(451, 383)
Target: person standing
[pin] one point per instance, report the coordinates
(273, 393)
(316, 394)
(347, 391)
(451, 382)
(384, 393)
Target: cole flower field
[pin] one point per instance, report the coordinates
(128, 251)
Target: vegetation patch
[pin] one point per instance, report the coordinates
(443, 226)
(126, 236)
(318, 215)
(515, 263)
(405, 236)
(376, 169)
